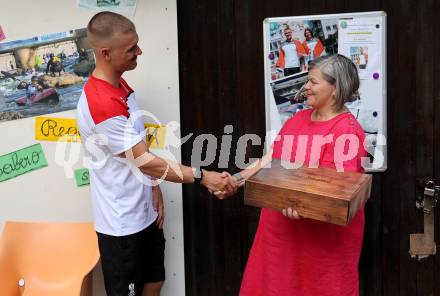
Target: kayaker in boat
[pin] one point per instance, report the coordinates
(32, 89)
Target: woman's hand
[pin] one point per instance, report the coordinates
(232, 180)
(219, 182)
(239, 179)
(158, 205)
(291, 213)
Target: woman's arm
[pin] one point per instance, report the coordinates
(247, 173)
(253, 168)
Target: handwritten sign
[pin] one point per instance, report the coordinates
(156, 135)
(56, 129)
(21, 161)
(66, 130)
(82, 177)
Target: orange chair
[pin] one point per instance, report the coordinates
(47, 259)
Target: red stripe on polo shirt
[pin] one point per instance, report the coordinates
(105, 100)
(126, 86)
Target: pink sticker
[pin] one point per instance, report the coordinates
(2, 34)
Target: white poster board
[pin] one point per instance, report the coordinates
(358, 36)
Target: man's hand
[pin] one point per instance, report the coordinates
(219, 182)
(224, 194)
(158, 205)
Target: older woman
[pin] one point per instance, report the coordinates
(306, 257)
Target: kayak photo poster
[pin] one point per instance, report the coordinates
(43, 74)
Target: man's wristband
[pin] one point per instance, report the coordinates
(198, 175)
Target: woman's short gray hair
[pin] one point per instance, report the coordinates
(341, 72)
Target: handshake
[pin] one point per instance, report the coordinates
(223, 184)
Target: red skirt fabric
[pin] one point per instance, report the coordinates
(303, 257)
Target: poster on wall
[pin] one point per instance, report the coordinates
(293, 43)
(290, 43)
(2, 34)
(359, 39)
(125, 7)
(43, 74)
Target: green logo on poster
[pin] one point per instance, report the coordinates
(343, 24)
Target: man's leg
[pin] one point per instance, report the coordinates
(119, 260)
(155, 269)
(152, 289)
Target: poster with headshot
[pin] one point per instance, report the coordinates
(291, 43)
(43, 74)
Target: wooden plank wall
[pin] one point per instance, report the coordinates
(221, 83)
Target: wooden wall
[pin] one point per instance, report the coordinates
(221, 82)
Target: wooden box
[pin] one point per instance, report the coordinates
(321, 194)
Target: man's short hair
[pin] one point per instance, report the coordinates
(105, 24)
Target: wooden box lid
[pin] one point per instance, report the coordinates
(321, 194)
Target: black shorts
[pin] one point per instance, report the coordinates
(130, 261)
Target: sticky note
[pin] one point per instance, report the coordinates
(82, 177)
(56, 129)
(22, 161)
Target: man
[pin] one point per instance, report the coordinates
(290, 55)
(128, 213)
(363, 58)
(55, 64)
(82, 55)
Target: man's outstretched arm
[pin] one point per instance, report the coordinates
(169, 170)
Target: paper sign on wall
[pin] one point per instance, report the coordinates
(66, 129)
(82, 177)
(360, 40)
(2, 34)
(56, 129)
(21, 161)
(155, 135)
(125, 7)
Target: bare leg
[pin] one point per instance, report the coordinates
(152, 289)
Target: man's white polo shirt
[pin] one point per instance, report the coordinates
(122, 203)
(290, 55)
